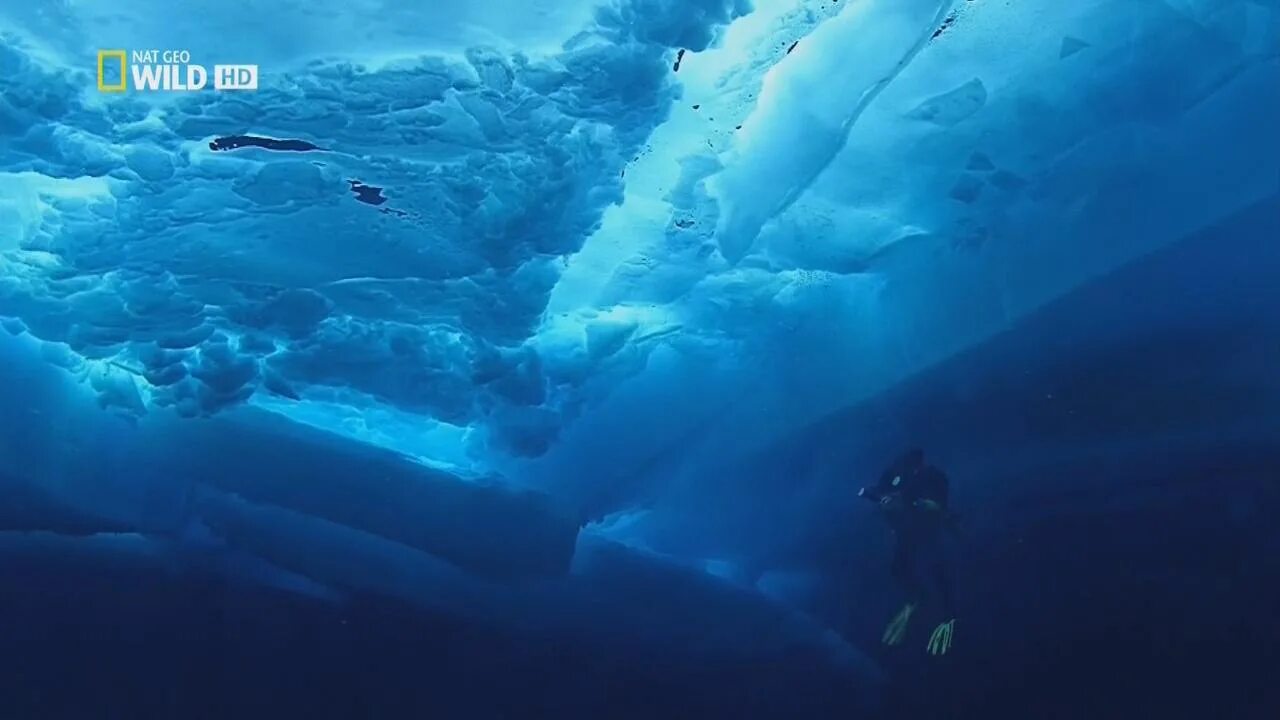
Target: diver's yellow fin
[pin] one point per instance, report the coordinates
(897, 627)
(940, 640)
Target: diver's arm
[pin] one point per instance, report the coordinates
(873, 493)
(880, 491)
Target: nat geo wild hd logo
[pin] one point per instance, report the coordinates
(168, 71)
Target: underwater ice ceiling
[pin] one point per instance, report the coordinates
(462, 228)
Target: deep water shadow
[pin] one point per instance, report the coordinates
(1116, 461)
(1158, 601)
(85, 639)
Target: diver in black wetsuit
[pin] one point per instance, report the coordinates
(913, 497)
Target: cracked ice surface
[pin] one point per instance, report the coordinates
(179, 273)
(561, 228)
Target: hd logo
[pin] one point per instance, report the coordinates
(167, 71)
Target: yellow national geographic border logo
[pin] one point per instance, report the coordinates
(153, 70)
(103, 57)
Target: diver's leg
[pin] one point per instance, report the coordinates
(940, 574)
(942, 579)
(906, 551)
(904, 572)
(935, 552)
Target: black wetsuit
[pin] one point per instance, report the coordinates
(918, 531)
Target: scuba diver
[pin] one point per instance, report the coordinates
(912, 496)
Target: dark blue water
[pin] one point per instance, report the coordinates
(1125, 565)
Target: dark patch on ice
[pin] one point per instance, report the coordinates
(370, 194)
(793, 47)
(967, 189)
(684, 223)
(232, 142)
(951, 107)
(970, 235)
(1071, 46)
(679, 59)
(979, 162)
(946, 25)
(1007, 181)
(697, 107)
(402, 213)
